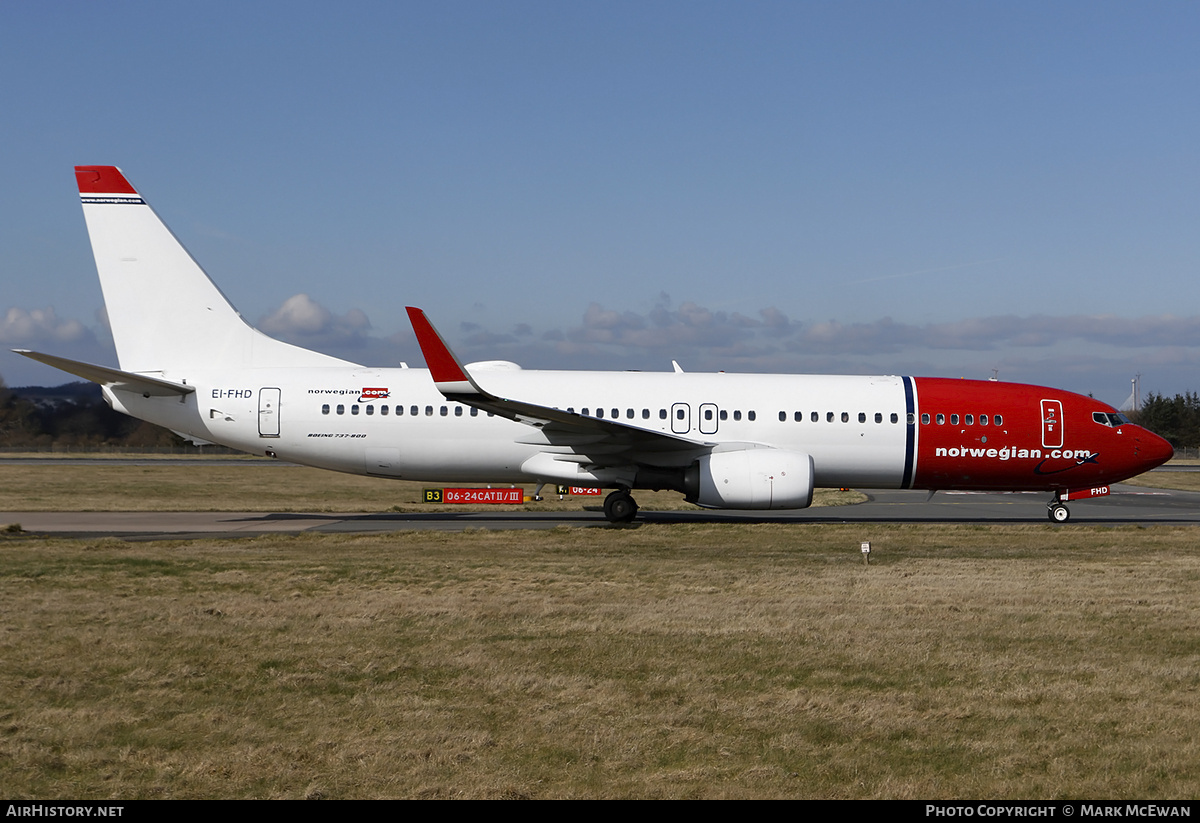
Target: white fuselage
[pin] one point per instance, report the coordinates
(334, 418)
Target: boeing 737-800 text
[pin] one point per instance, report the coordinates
(189, 362)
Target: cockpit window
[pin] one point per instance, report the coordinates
(1113, 419)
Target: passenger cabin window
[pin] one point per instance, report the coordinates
(954, 420)
(799, 417)
(429, 411)
(751, 416)
(458, 411)
(925, 419)
(383, 410)
(782, 417)
(443, 411)
(370, 410)
(679, 414)
(629, 413)
(862, 417)
(645, 414)
(845, 417)
(879, 417)
(474, 412)
(354, 409)
(983, 419)
(941, 419)
(724, 415)
(998, 419)
(325, 409)
(737, 415)
(896, 418)
(616, 413)
(662, 414)
(815, 417)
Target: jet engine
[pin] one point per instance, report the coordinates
(752, 479)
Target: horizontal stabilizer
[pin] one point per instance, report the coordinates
(112, 378)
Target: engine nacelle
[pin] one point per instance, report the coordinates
(753, 479)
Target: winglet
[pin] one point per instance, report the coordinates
(448, 374)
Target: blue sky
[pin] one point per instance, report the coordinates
(927, 188)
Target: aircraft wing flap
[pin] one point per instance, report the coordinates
(112, 378)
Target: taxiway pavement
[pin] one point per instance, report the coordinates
(1125, 506)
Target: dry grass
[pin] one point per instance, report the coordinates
(1188, 481)
(707, 661)
(260, 487)
(1167, 479)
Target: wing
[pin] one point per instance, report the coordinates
(571, 437)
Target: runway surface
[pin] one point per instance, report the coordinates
(1127, 505)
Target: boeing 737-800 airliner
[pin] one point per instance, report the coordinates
(189, 362)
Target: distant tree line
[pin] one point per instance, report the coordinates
(1177, 419)
(72, 415)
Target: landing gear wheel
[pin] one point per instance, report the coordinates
(1059, 513)
(619, 507)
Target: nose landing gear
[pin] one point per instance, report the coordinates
(1057, 512)
(619, 507)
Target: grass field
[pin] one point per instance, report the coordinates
(662, 661)
(1188, 481)
(260, 486)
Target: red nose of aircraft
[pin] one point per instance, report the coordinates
(1151, 450)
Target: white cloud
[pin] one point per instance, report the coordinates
(23, 327)
(302, 319)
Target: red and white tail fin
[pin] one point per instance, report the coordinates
(166, 314)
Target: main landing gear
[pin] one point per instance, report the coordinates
(1057, 511)
(619, 507)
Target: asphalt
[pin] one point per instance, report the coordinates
(1125, 506)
